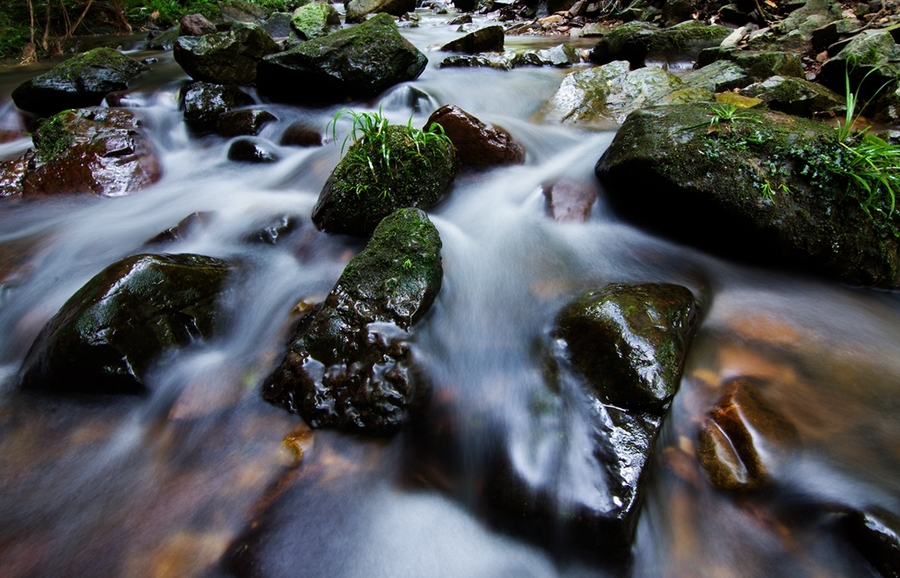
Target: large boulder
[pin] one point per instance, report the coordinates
(487, 39)
(371, 181)
(351, 365)
(315, 20)
(225, 57)
(477, 144)
(110, 334)
(358, 10)
(636, 41)
(83, 80)
(357, 62)
(101, 151)
(760, 186)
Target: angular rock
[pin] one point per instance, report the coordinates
(315, 20)
(767, 188)
(195, 25)
(358, 195)
(876, 536)
(351, 366)
(499, 61)
(164, 40)
(111, 332)
(244, 122)
(357, 62)
(719, 76)
(248, 150)
(758, 64)
(226, 57)
(796, 96)
(813, 14)
(183, 229)
(630, 342)
(609, 93)
(487, 39)
(203, 103)
(636, 40)
(477, 144)
(744, 439)
(99, 151)
(83, 80)
(242, 11)
(273, 232)
(562, 55)
(358, 10)
(570, 200)
(872, 61)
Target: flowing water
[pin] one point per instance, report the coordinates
(193, 479)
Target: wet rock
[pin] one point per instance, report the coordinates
(744, 439)
(796, 96)
(244, 122)
(184, 229)
(630, 342)
(876, 536)
(315, 20)
(827, 35)
(719, 76)
(759, 64)
(562, 55)
(195, 25)
(636, 40)
(813, 14)
(226, 57)
(248, 150)
(301, 135)
(570, 200)
(278, 24)
(100, 151)
(779, 196)
(357, 196)
(275, 231)
(357, 62)
(351, 366)
(608, 94)
(203, 103)
(487, 39)
(83, 80)
(164, 40)
(477, 144)
(872, 61)
(496, 60)
(357, 10)
(108, 336)
(241, 11)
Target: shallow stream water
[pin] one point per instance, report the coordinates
(174, 483)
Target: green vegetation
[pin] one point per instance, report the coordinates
(52, 137)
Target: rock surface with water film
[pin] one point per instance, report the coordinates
(366, 186)
(83, 80)
(761, 186)
(487, 39)
(477, 144)
(110, 334)
(351, 365)
(225, 57)
(204, 103)
(357, 62)
(744, 439)
(636, 40)
(99, 151)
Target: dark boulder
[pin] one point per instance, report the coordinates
(872, 62)
(796, 96)
(225, 57)
(164, 40)
(357, 62)
(204, 103)
(111, 332)
(358, 10)
(487, 39)
(195, 25)
(249, 150)
(477, 144)
(876, 536)
(83, 80)
(99, 151)
(300, 134)
(351, 365)
(637, 40)
(761, 187)
(243, 122)
(367, 186)
(315, 20)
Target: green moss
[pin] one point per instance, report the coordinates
(53, 136)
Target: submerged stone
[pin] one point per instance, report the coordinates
(351, 365)
(83, 80)
(570, 200)
(108, 336)
(357, 62)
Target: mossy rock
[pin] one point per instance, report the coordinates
(111, 333)
(358, 10)
(351, 365)
(757, 64)
(204, 103)
(718, 76)
(872, 62)
(357, 196)
(796, 96)
(636, 40)
(357, 62)
(315, 20)
(764, 187)
(225, 57)
(83, 80)
(630, 342)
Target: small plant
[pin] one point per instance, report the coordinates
(51, 138)
(724, 112)
(407, 264)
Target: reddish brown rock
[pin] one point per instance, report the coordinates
(477, 144)
(195, 25)
(744, 438)
(300, 135)
(570, 200)
(244, 122)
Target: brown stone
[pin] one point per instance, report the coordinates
(477, 144)
(570, 200)
(744, 438)
(244, 122)
(300, 135)
(195, 25)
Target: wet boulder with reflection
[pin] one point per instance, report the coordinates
(225, 57)
(113, 331)
(477, 144)
(351, 366)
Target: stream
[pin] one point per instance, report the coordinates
(202, 478)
